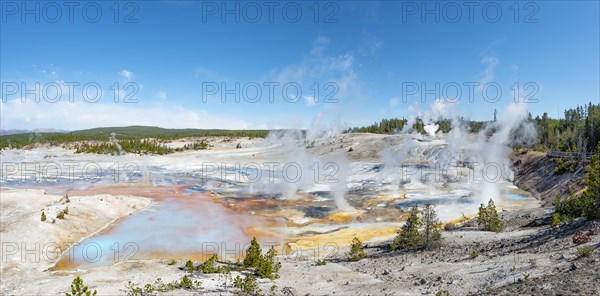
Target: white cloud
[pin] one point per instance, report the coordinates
(126, 74)
(488, 73)
(161, 95)
(81, 115)
(318, 67)
(310, 101)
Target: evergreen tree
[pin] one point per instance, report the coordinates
(408, 235)
(483, 217)
(253, 254)
(43, 217)
(488, 218)
(268, 267)
(79, 289)
(357, 251)
(431, 227)
(591, 204)
(189, 266)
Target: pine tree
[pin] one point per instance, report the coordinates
(268, 267)
(253, 254)
(357, 251)
(408, 235)
(488, 218)
(483, 217)
(496, 224)
(79, 289)
(431, 227)
(189, 266)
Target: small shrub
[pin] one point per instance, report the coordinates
(584, 252)
(487, 288)
(555, 219)
(564, 166)
(43, 218)
(265, 266)
(350, 150)
(268, 267)
(208, 266)
(187, 283)
(79, 289)
(66, 211)
(60, 215)
(474, 254)
(246, 286)
(321, 262)
(532, 262)
(189, 266)
(273, 290)
(526, 277)
(357, 251)
(159, 286)
(172, 262)
(442, 293)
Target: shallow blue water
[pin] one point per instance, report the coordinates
(175, 226)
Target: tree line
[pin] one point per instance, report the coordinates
(578, 131)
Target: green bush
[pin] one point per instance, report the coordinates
(246, 286)
(268, 267)
(159, 286)
(189, 266)
(265, 266)
(584, 252)
(208, 266)
(79, 289)
(60, 215)
(357, 251)
(564, 166)
(474, 254)
(320, 262)
(555, 219)
(43, 217)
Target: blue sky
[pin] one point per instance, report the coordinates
(367, 54)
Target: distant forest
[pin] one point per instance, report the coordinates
(132, 139)
(578, 131)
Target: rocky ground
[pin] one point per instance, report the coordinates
(530, 257)
(537, 173)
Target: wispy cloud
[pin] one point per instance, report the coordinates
(161, 95)
(80, 115)
(489, 73)
(321, 67)
(126, 74)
